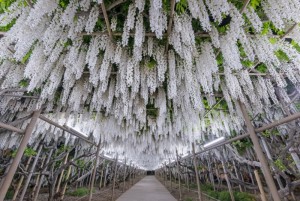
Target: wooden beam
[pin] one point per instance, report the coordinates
(20, 96)
(13, 167)
(114, 4)
(257, 130)
(246, 3)
(106, 20)
(170, 23)
(66, 129)
(150, 34)
(11, 128)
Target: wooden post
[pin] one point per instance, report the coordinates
(21, 180)
(94, 171)
(114, 179)
(196, 173)
(170, 171)
(38, 177)
(31, 172)
(125, 167)
(42, 178)
(105, 176)
(237, 175)
(227, 179)
(12, 170)
(62, 173)
(257, 148)
(165, 175)
(260, 186)
(66, 183)
(102, 173)
(178, 172)
(130, 167)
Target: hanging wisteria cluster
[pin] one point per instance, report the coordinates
(149, 83)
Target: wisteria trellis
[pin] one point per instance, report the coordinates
(83, 72)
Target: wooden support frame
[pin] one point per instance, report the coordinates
(258, 130)
(106, 20)
(178, 172)
(260, 154)
(67, 129)
(11, 128)
(31, 173)
(196, 173)
(94, 171)
(12, 170)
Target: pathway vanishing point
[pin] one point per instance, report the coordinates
(148, 189)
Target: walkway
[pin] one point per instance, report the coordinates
(148, 189)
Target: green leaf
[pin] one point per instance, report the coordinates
(265, 29)
(273, 40)
(279, 164)
(181, 6)
(247, 63)
(295, 45)
(281, 55)
(255, 3)
(262, 68)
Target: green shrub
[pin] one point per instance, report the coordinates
(188, 199)
(242, 196)
(224, 196)
(79, 192)
(206, 187)
(9, 194)
(212, 193)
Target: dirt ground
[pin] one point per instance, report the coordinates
(104, 194)
(186, 195)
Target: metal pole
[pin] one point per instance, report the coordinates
(8, 179)
(94, 171)
(196, 172)
(260, 154)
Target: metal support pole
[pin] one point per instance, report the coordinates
(260, 155)
(94, 171)
(196, 172)
(9, 177)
